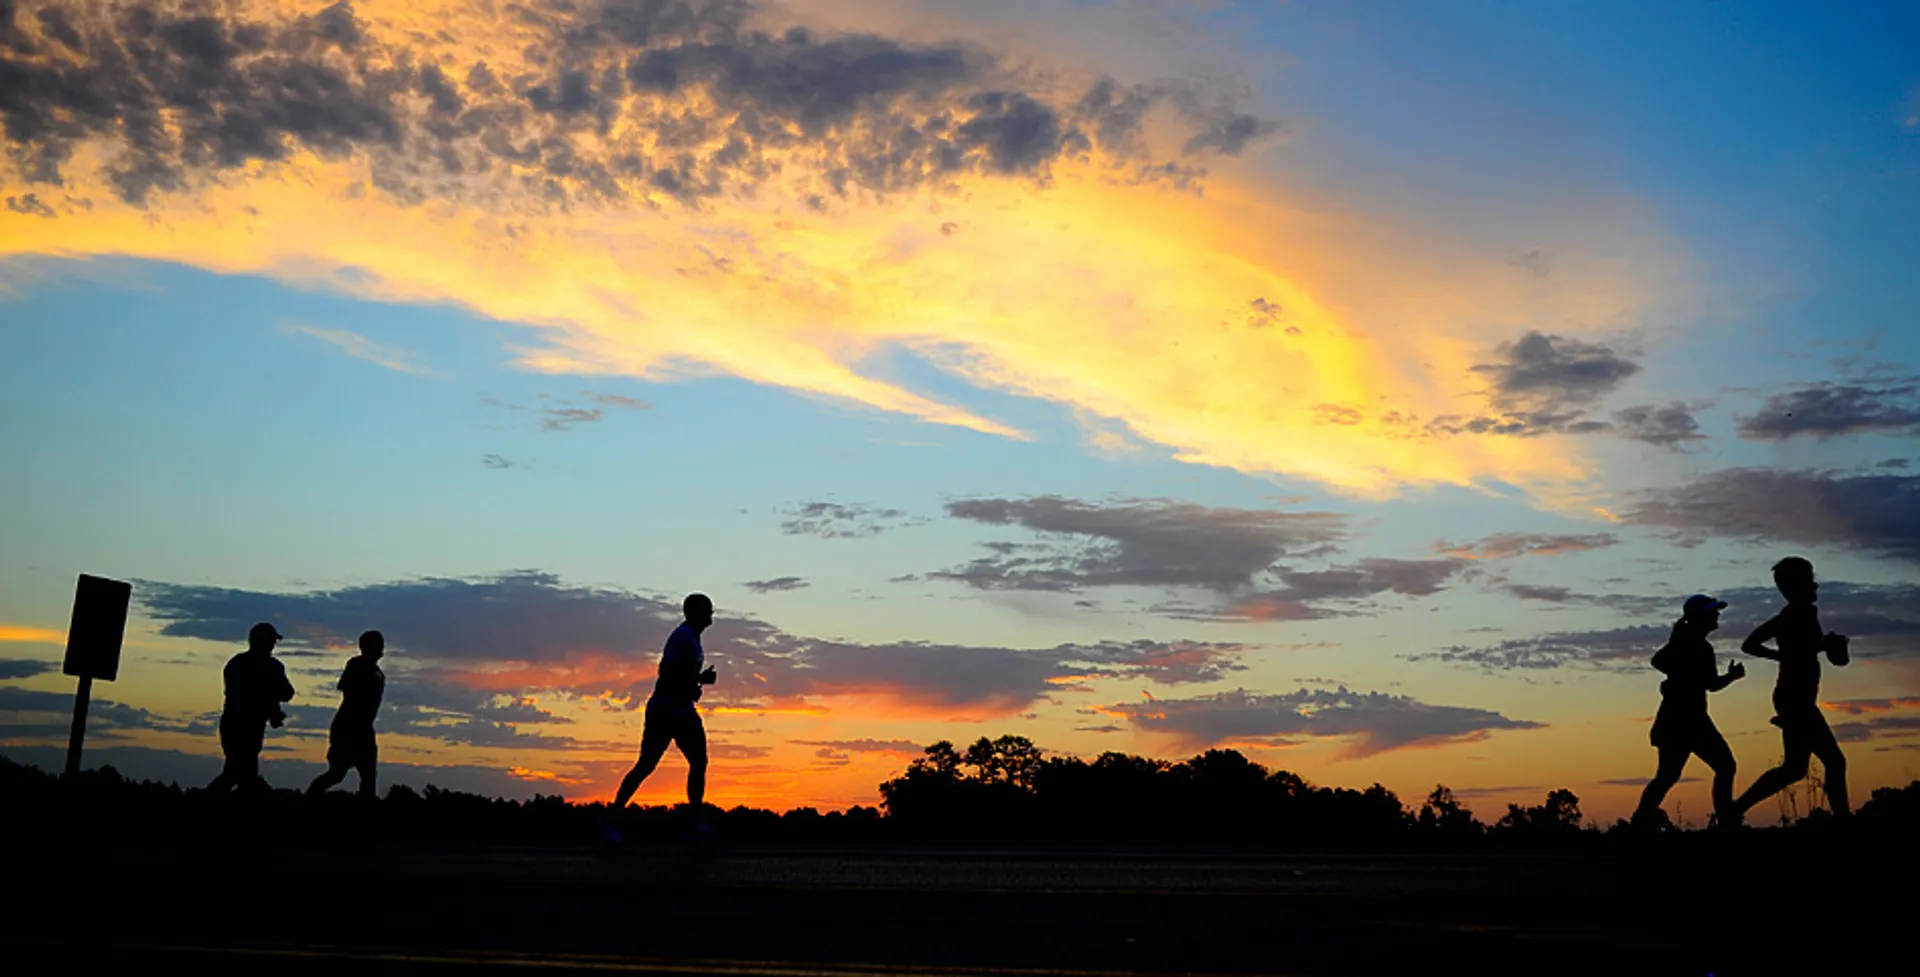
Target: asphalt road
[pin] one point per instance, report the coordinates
(798, 911)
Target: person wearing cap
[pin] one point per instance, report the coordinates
(1798, 643)
(350, 740)
(1682, 729)
(256, 685)
(671, 716)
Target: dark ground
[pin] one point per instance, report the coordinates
(1692, 905)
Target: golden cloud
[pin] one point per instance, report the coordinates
(932, 212)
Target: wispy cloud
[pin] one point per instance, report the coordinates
(775, 585)
(357, 346)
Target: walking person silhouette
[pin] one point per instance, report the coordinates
(350, 740)
(256, 683)
(1682, 729)
(1804, 733)
(671, 716)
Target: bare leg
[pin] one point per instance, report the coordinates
(1774, 781)
(1673, 760)
(649, 759)
(1719, 756)
(1828, 750)
(693, 745)
(326, 781)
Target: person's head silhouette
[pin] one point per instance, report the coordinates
(262, 637)
(372, 644)
(699, 611)
(1701, 613)
(1794, 577)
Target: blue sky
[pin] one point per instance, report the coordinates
(267, 382)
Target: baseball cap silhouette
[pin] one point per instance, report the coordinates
(1700, 604)
(263, 631)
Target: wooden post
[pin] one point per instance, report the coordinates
(81, 696)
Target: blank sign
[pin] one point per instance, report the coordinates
(99, 621)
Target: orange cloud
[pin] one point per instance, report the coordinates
(27, 635)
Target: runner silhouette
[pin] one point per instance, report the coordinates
(1803, 730)
(350, 740)
(256, 683)
(1682, 729)
(671, 716)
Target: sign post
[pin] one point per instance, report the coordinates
(93, 647)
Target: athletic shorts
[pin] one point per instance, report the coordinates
(352, 747)
(676, 724)
(1683, 730)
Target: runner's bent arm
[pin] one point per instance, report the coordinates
(1755, 644)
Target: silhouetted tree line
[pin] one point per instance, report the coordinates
(1006, 790)
(999, 791)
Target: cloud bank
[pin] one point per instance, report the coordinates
(661, 190)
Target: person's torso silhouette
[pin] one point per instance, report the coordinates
(362, 685)
(677, 684)
(1797, 634)
(256, 684)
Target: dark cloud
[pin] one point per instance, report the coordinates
(33, 712)
(1378, 722)
(1165, 662)
(1668, 427)
(681, 100)
(183, 89)
(1616, 648)
(1640, 781)
(835, 520)
(775, 585)
(1541, 592)
(1884, 619)
(1827, 410)
(1541, 384)
(1877, 728)
(520, 616)
(1412, 578)
(900, 747)
(1305, 594)
(25, 667)
(525, 632)
(1878, 512)
(1139, 542)
(195, 769)
(29, 203)
(1556, 369)
(1507, 545)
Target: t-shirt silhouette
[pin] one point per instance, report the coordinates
(362, 685)
(1797, 633)
(256, 684)
(1691, 671)
(678, 683)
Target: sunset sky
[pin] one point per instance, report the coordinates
(1361, 386)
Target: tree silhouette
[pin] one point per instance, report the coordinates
(1443, 816)
(1559, 816)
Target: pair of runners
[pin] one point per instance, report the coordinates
(1682, 729)
(256, 684)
